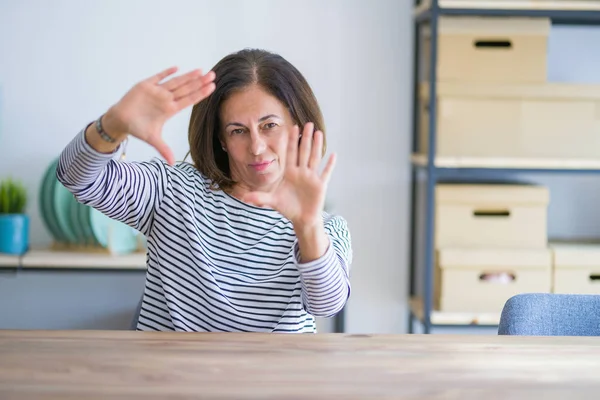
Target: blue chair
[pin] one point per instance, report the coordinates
(545, 314)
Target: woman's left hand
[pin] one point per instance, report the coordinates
(300, 197)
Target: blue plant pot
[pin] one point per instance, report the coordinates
(14, 233)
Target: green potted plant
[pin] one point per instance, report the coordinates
(14, 223)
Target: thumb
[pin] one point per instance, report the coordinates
(163, 149)
(259, 199)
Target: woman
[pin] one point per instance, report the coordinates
(238, 240)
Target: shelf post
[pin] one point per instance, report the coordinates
(431, 170)
(412, 260)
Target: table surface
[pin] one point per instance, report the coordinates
(149, 365)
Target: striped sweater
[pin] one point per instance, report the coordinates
(214, 263)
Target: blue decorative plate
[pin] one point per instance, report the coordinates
(62, 202)
(116, 236)
(46, 202)
(86, 225)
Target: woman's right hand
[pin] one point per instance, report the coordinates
(145, 108)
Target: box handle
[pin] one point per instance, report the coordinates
(493, 44)
(491, 213)
(594, 277)
(497, 277)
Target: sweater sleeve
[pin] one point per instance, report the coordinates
(129, 192)
(326, 280)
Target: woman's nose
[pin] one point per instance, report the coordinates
(257, 143)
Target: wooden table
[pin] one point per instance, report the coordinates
(140, 365)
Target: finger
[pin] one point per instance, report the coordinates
(292, 148)
(197, 79)
(259, 199)
(326, 174)
(317, 149)
(163, 149)
(173, 84)
(162, 75)
(189, 87)
(208, 78)
(306, 144)
(195, 97)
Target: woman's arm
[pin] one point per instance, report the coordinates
(127, 192)
(109, 123)
(130, 192)
(325, 280)
(323, 250)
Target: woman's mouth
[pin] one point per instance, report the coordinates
(261, 166)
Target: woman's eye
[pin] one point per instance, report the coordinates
(237, 131)
(270, 125)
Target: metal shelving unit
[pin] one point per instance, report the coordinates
(433, 170)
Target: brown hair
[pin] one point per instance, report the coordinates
(233, 73)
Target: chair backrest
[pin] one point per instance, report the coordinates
(545, 314)
(136, 315)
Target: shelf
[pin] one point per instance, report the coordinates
(465, 169)
(8, 260)
(441, 318)
(52, 259)
(499, 164)
(545, 5)
(560, 11)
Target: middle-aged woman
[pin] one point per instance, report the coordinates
(237, 240)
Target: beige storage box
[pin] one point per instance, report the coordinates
(482, 280)
(490, 49)
(546, 121)
(576, 268)
(491, 215)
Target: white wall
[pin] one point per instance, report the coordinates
(64, 62)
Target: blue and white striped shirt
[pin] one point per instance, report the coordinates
(214, 263)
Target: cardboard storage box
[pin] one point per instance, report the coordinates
(576, 268)
(490, 49)
(544, 121)
(482, 280)
(491, 215)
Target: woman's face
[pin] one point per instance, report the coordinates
(255, 131)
